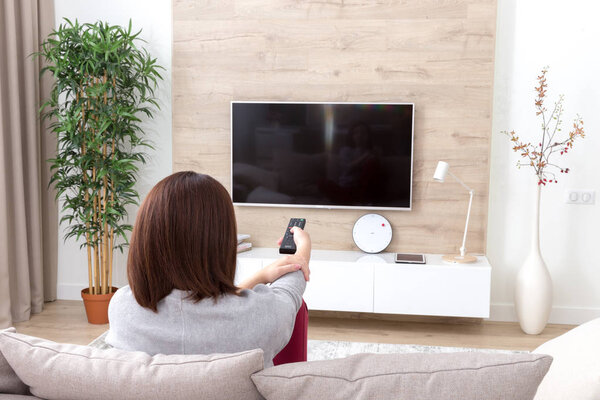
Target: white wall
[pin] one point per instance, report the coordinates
(154, 18)
(563, 35)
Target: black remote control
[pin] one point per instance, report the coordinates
(288, 246)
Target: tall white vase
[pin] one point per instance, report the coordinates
(533, 293)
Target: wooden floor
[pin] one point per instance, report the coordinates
(62, 321)
(487, 334)
(65, 321)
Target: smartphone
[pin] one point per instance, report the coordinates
(410, 258)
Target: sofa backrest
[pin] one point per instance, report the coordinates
(66, 371)
(9, 381)
(418, 376)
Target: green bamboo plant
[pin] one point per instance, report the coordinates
(103, 83)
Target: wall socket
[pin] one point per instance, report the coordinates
(587, 197)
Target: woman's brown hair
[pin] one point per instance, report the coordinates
(185, 237)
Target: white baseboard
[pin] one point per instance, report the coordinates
(69, 291)
(558, 315)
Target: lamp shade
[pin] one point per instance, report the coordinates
(441, 171)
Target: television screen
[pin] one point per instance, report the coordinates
(330, 155)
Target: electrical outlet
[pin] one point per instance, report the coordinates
(587, 197)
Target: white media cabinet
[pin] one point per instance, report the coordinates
(359, 282)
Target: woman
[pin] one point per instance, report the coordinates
(181, 298)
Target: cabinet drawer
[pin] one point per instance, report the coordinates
(340, 286)
(432, 290)
(245, 268)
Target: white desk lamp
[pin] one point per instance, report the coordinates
(440, 174)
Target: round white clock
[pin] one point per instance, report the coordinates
(372, 233)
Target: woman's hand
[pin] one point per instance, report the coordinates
(303, 248)
(285, 264)
(277, 269)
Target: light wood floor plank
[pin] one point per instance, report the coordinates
(62, 321)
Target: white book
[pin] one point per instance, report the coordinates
(244, 247)
(242, 236)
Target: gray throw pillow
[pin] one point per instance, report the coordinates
(65, 371)
(450, 376)
(9, 381)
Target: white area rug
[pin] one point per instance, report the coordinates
(327, 350)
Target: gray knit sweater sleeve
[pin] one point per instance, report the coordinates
(290, 287)
(262, 317)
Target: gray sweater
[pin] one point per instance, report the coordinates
(259, 318)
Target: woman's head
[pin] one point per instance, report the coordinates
(185, 237)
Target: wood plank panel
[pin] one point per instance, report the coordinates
(333, 9)
(438, 54)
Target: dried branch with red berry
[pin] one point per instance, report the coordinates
(542, 157)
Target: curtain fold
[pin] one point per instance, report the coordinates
(28, 220)
(48, 150)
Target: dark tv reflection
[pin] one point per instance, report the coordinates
(310, 154)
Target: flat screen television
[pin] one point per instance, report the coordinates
(323, 155)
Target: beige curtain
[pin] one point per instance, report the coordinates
(28, 213)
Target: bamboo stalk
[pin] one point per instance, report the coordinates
(100, 245)
(111, 251)
(99, 223)
(112, 199)
(97, 256)
(105, 93)
(112, 230)
(105, 231)
(86, 197)
(107, 266)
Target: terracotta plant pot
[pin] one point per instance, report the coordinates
(96, 305)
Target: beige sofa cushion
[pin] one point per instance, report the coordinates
(66, 371)
(9, 381)
(575, 372)
(464, 376)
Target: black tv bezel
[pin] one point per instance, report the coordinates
(320, 206)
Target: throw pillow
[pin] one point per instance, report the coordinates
(575, 372)
(66, 371)
(449, 376)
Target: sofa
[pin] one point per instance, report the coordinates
(567, 367)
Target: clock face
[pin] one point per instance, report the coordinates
(372, 233)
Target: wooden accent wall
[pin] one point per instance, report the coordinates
(438, 54)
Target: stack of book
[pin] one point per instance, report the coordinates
(242, 245)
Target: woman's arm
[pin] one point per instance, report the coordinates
(285, 264)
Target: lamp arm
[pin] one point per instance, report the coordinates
(459, 181)
(463, 249)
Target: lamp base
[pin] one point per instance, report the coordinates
(458, 259)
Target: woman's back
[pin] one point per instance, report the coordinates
(259, 318)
